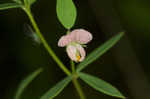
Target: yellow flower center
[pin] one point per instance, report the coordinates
(78, 57)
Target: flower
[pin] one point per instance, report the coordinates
(74, 41)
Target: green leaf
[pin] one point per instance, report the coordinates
(9, 6)
(100, 85)
(99, 51)
(66, 13)
(18, 1)
(29, 2)
(54, 91)
(26, 82)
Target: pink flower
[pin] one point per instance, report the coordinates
(74, 41)
(81, 36)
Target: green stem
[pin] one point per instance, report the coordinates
(75, 81)
(72, 66)
(78, 88)
(47, 47)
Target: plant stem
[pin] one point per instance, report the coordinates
(47, 47)
(75, 81)
(78, 88)
(72, 66)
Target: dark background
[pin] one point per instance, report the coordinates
(126, 65)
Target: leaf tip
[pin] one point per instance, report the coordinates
(122, 33)
(120, 95)
(40, 69)
(123, 97)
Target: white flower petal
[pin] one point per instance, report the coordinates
(71, 51)
(74, 50)
(81, 51)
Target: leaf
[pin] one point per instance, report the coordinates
(99, 51)
(29, 2)
(18, 1)
(54, 91)
(66, 13)
(9, 6)
(100, 85)
(26, 82)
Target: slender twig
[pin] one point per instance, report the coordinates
(75, 81)
(47, 47)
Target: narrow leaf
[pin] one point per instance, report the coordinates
(54, 91)
(29, 2)
(66, 13)
(26, 82)
(99, 51)
(32, 1)
(18, 1)
(100, 85)
(9, 6)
